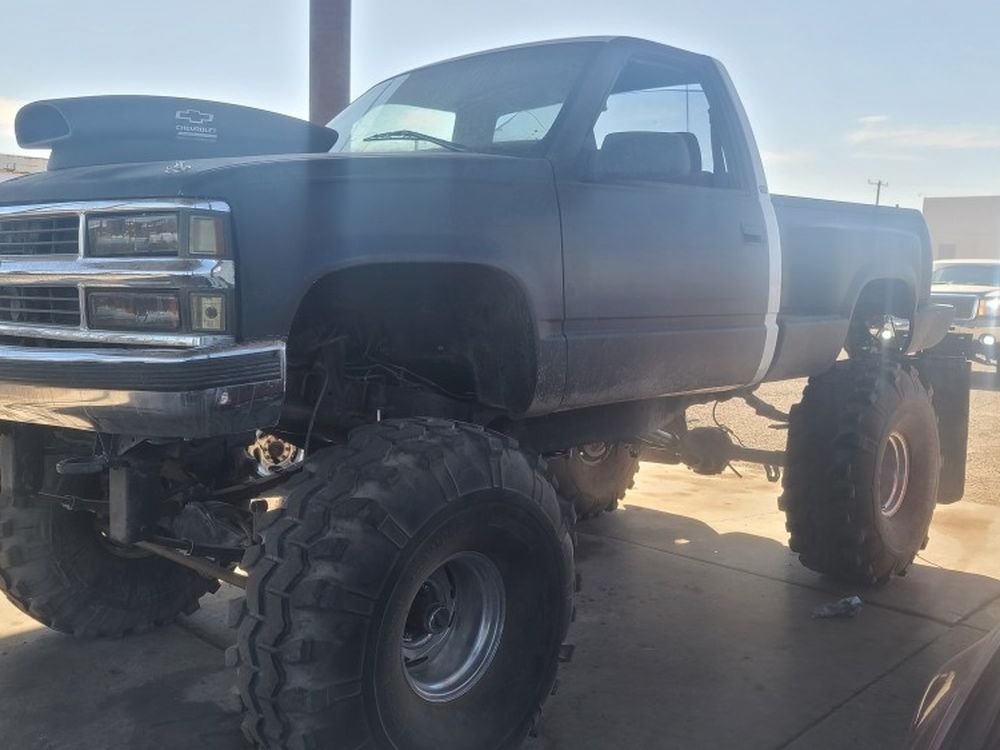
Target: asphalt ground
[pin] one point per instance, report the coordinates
(694, 632)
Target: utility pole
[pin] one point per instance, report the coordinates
(878, 185)
(329, 58)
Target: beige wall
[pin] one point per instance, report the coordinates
(15, 166)
(964, 227)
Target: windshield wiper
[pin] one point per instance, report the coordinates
(413, 135)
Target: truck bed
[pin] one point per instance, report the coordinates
(830, 251)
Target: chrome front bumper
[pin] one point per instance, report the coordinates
(978, 328)
(163, 393)
(973, 333)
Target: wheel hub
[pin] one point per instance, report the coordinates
(594, 453)
(454, 627)
(273, 455)
(438, 619)
(894, 474)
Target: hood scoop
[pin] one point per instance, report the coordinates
(96, 130)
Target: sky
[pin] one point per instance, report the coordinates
(838, 93)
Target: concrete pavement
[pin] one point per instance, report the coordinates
(694, 631)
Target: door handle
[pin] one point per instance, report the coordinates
(753, 234)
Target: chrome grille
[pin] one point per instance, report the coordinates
(41, 305)
(40, 235)
(45, 275)
(966, 305)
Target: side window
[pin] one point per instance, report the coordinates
(659, 125)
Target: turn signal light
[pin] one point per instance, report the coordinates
(206, 236)
(208, 313)
(989, 307)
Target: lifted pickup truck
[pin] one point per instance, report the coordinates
(383, 366)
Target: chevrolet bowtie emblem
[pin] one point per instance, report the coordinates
(195, 117)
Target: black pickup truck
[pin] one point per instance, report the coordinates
(384, 365)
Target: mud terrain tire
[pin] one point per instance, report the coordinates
(863, 466)
(56, 567)
(331, 617)
(595, 482)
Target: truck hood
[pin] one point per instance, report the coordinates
(124, 147)
(963, 289)
(227, 178)
(94, 130)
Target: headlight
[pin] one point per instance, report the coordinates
(156, 235)
(134, 234)
(989, 307)
(133, 311)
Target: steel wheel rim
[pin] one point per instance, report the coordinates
(454, 627)
(894, 475)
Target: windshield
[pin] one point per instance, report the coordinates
(971, 275)
(501, 102)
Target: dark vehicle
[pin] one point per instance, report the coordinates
(488, 278)
(961, 707)
(972, 287)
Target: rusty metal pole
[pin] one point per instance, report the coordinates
(329, 58)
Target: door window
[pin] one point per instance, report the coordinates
(658, 124)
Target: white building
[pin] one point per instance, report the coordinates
(964, 227)
(15, 166)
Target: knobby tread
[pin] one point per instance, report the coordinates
(55, 569)
(597, 489)
(828, 497)
(326, 555)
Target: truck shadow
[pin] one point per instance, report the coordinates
(686, 637)
(691, 637)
